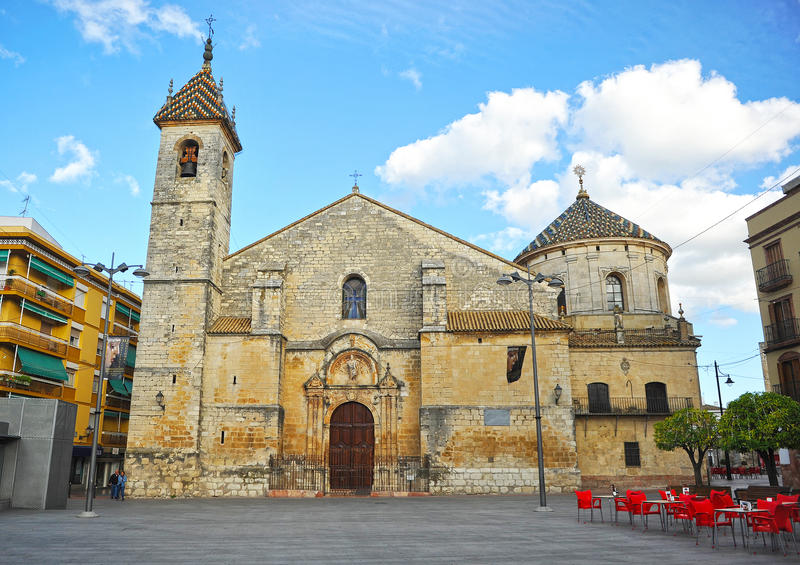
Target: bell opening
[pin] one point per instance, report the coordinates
(188, 159)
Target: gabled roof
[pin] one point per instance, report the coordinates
(389, 209)
(585, 219)
(230, 325)
(199, 100)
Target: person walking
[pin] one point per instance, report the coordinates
(113, 480)
(123, 478)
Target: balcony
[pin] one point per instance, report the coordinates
(26, 288)
(774, 276)
(25, 383)
(113, 402)
(114, 439)
(21, 335)
(629, 406)
(784, 332)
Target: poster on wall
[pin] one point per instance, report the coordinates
(116, 356)
(516, 355)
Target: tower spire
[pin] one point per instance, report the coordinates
(207, 54)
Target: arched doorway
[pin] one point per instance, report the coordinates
(352, 447)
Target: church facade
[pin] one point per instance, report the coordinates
(359, 349)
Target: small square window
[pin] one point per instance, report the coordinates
(632, 454)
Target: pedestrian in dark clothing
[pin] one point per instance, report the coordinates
(113, 480)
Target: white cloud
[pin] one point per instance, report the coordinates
(82, 161)
(12, 55)
(670, 121)
(532, 206)
(133, 184)
(413, 76)
(788, 174)
(506, 241)
(115, 22)
(249, 38)
(23, 180)
(504, 139)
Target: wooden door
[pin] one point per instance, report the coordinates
(352, 447)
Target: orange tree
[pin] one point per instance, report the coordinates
(690, 429)
(762, 422)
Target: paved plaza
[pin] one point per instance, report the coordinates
(464, 529)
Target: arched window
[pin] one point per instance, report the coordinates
(656, 394)
(599, 403)
(663, 304)
(614, 292)
(187, 158)
(354, 299)
(561, 302)
(225, 173)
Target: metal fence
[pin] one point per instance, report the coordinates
(629, 405)
(402, 474)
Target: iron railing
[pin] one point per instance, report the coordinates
(19, 334)
(32, 385)
(402, 474)
(785, 330)
(629, 406)
(112, 402)
(773, 276)
(114, 439)
(38, 292)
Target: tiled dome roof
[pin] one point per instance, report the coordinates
(198, 100)
(586, 219)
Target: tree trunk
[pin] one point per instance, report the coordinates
(769, 460)
(697, 465)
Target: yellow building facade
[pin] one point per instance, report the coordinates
(51, 339)
(774, 242)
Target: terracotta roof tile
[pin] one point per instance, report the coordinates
(656, 337)
(489, 321)
(230, 325)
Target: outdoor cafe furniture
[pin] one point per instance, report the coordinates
(775, 519)
(587, 502)
(635, 504)
(706, 516)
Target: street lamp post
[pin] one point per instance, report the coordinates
(82, 271)
(728, 382)
(554, 281)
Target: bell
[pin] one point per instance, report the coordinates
(189, 169)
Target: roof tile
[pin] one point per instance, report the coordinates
(491, 321)
(230, 325)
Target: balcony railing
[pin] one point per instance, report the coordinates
(629, 406)
(21, 335)
(783, 331)
(112, 402)
(23, 382)
(774, 276)
(37, 292)
(114, 439)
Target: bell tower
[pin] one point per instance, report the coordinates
(189, 236)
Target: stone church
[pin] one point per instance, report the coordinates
(359, 349)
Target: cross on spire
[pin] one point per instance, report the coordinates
(355, 176)
(209, 20)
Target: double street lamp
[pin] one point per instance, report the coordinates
(83, 271)
(555, 282)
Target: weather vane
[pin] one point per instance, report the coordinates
(209, 21)
(355, 176)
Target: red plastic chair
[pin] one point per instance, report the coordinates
(767, 523)
(626, 504)
(795, 511)
(586, 502)
(684, 512)
(704, 516)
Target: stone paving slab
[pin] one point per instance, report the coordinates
(465, 529)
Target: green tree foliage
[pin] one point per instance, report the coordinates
(690, 429)
(761, 422)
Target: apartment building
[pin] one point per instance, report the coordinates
(51, 339)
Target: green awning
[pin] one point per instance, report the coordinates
(115, 414)
(130, 361)
(41, 365)
(44, 312)
(127, 312)
(119, 387)
(128, 384)
(51, 271)
(3, 254)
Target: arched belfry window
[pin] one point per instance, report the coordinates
(663, 304)
(354, 299)
(614, 292)
(187, 159)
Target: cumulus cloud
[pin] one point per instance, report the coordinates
(670, 121)
(82, 160)
(23, 180)
(13, 56)
(249, 38)
(503, 139)
(413, 76)
(788, 174)
(133, 184)
(505, 241)
(123, 22)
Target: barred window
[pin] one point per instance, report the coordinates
(632, 454)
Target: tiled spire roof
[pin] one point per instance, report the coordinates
(586, 219)
(199, 100)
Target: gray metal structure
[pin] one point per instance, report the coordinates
(35, 452)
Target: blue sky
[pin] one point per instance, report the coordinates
(466, 115)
